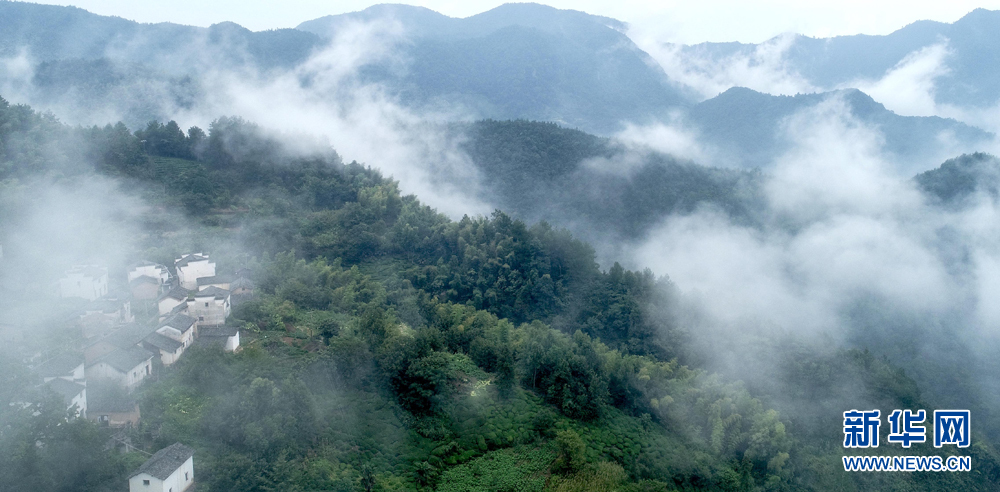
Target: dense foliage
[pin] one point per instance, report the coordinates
(390, 348)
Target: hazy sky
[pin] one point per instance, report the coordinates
(670, 20)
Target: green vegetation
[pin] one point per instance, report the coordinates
(390, 348)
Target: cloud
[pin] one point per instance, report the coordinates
(908, 88)
(761, 67)
(842, 229)
(325, 96)
(667, 138)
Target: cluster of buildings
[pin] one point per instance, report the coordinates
(117, 352)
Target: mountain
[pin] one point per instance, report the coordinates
(515, 61)
(520, 61)
(970, 76)
(748, 127)
(956, 180)
(48, 33)
(599, 188)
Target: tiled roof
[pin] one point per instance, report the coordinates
(184, 260)
(218, 279)
(66, 389)
(126, 359)
(163, 342)
(218, 331)
(166, 461)
(215, 292)
(60, 365)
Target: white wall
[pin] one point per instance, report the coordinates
(77, 284)
(233, 342)
(189, 274)
(215, 313)
(167, 304)
(156, 271)
(134, 377)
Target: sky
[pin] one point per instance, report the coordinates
(680, 21)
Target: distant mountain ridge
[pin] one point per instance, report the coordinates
(746, 126)
(971, 78)
(50, 33)
(522, 61)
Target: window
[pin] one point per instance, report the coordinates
(206, 304)
(186, 476)
(145, 482)
(201, 318)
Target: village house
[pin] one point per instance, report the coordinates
(171, 469)
(220, 281)
(127, 336)
(149, 269)
(147, 280)
(65, 366)
(241, 286)
(170, 300)
(102, 316)
(145, 288)
(111, 408)
(74, 395)
(210, 306)
(88, 282)
(225, 336)
(126, 367)
(192, 267)
(172, 338)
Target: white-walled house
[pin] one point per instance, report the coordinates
(225, 336)
(127, 367)
(170, 300)
(172, 338)
(192, 267)
(180, 327)
(89, 282)
(220, 281)
(73, 395)
(102, 316)
(149, 269)
(127, 336)
(171, 469)
(210, 306)
(147, 280)
(65, 366)
(110, 408)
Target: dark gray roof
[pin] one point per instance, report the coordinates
(66, 389)
(101, 399)
(218, 279)
(179, 293)
(145, 263)
(165, 461)
(163, 342)
(184, 260)
(126, 359)
(212, 292)
(181, 322)
(218, 331)
(128, 335)
(241, 283)
(59, 365)
(144, 279)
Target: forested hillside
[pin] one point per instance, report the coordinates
(391, 348)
